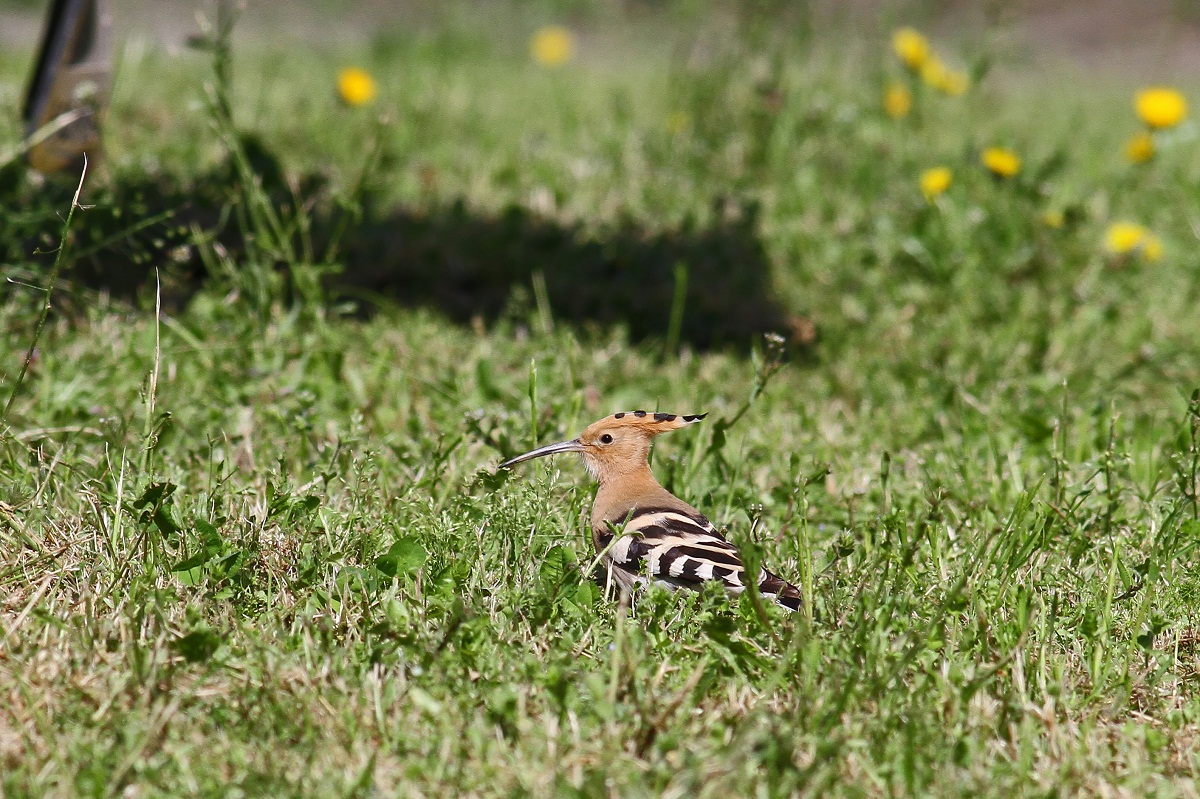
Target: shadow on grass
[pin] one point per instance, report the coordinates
(467, 264)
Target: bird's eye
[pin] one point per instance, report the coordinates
(606, 439)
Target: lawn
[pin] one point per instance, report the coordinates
(252, 537)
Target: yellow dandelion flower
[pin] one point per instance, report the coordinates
(911, 47)
(678, 122)
(1160, 107)
(1123, 237)
(1126, 238)
(935, 181)
(1152, 248)
(552, 46)
(1001, 162)
(953, 83)
(938, 76)
(1054, 219)
(897, 100)
(1140, 148)
(933, 71)
(355, 86)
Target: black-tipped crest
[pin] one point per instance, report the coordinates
(650, 421)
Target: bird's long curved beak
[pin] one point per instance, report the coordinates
(549, 449)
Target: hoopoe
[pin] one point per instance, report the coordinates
(658, 537)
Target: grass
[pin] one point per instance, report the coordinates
(254, 544)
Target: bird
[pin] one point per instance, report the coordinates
(642, 532)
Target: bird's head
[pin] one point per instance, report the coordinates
(615, 445)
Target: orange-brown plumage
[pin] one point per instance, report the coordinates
(644, 532)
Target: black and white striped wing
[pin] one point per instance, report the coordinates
(683, 550)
